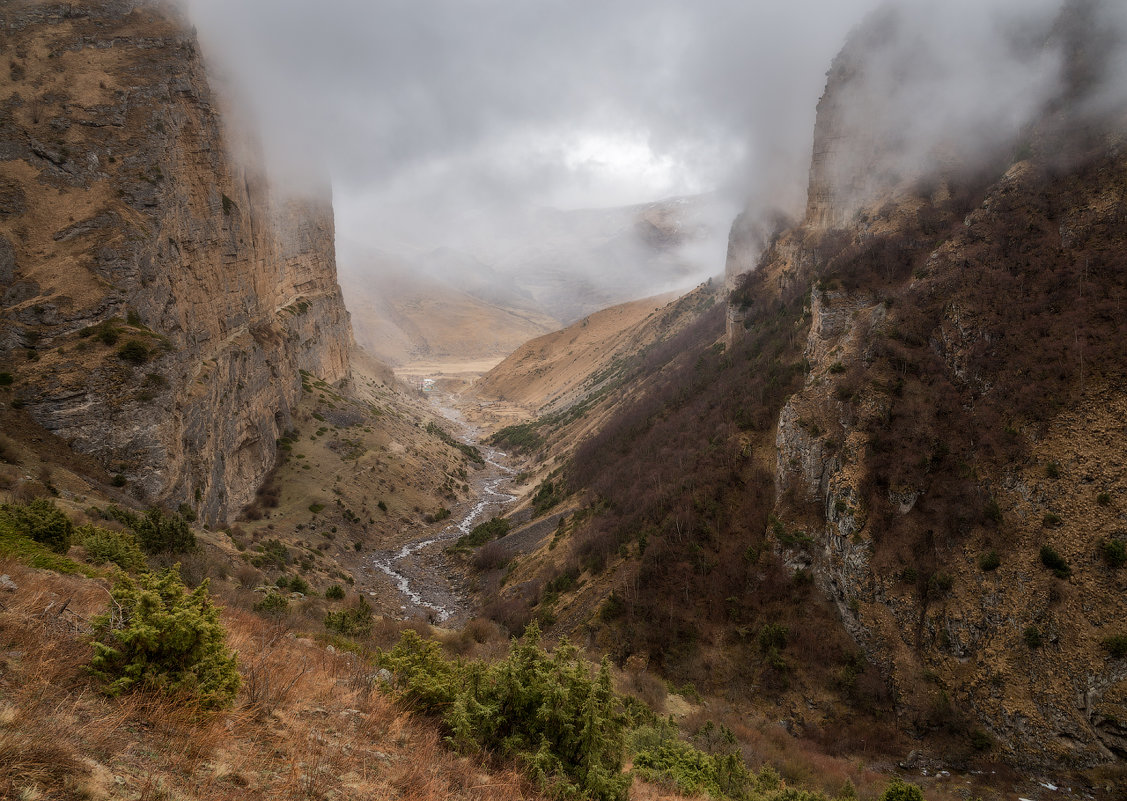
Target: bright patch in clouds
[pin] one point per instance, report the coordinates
(621, 169)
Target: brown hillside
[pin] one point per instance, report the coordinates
(405, 319)
(896, 490)
(548, 372)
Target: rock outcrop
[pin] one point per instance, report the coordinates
(954, 446)
(160, 301)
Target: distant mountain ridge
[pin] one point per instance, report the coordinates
(557, 267)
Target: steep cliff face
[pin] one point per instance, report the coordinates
(159, 302)
(954, 447)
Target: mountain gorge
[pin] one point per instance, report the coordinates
(544, 269)
(913, 410)
(857, 511)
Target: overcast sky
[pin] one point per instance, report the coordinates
(434, 116)
(427, 111)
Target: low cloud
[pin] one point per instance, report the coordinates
(448, 122)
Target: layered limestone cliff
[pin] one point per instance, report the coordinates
(159, 300)
(955, 452)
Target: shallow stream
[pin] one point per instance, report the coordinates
(420, 569)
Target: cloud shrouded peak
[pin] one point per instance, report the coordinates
(440, 121)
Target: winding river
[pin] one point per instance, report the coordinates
(420, 569)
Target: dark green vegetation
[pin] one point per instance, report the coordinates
(352, 621)
(134, 351)
(335, 593)
(543, 710)
(521, 438)
(117, 547)
(1055, 562)
(40, 521)
(157, 531)
(552, 713)
(548, 494)
(1116, 646)
(156, 636)
(1114, 553)
(482, 533)
(989, 561)
(16, 541)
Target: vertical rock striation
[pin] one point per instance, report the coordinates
(125, 219)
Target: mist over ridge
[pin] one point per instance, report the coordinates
(458, 125)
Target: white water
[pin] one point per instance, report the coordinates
(491, 495)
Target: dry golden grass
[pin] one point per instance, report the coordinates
(307, 724)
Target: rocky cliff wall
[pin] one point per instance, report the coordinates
(124, 219)
(960, 415)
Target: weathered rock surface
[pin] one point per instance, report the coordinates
(953, 333)
(120, 204)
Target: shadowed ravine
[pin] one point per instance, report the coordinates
(420, 569)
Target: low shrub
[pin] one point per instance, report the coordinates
(542, 709)
(42, 521)
(355, 621)
(273, 605)
(157, 636)
(484, 532)
(693, 772)
(1114, 553)
(134, 351)
(1055, 562)
(272, 553)
(547, 495)
(899, 790)
(104, 545)
(1116, 646)
(157, 532)
(989, 561)
(335, 593)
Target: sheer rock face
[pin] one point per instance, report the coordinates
(120, 204)
(931, 311)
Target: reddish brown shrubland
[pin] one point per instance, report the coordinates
(683, 493)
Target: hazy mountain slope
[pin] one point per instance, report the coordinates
(548, 269)
(548, 372)
(558, 389)
(402, 317)
(578, 262)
